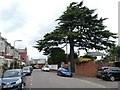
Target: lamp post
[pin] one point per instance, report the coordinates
(14, 51)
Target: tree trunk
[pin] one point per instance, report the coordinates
(72, 63)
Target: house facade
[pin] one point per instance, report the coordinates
(23, 55)
(6, 51)
(9, 53)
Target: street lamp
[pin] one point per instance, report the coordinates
(14, 50)
(16, 41)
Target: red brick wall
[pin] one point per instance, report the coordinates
(87, 69)
(90, 68)
(23, 56)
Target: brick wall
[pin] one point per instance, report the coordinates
(90, 68)
(87, 68)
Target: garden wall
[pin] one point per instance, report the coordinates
(89, 68)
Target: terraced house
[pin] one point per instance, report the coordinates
(9, 54)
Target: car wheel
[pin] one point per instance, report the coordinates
(112, 78)
(22, 87)
(59, 74)
(103, 78)
(71, 75)
(24, 84)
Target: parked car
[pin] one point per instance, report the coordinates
(100, 70)
(13, 79)
(45, 68)
(31, 68)
(64, 72)
(26, 70)
(112, 73)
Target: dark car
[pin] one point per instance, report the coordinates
(112, 73)
(31, 68)
(100, 70)
(13, 79)
(26, 70)
(64, 72)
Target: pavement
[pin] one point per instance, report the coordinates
(97, 81)
(84, 77)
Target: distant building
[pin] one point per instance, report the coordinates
(23, 55)
(98, 55)
(39, 63)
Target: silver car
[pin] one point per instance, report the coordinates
(13, 79)
(46, 68)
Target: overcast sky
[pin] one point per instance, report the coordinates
(30, 20)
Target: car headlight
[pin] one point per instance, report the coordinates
(18, 81)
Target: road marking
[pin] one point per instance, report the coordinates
(67, 78)
(93, 83)
(98, 85)
(31, 82)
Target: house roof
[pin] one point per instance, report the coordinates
(95, 53)
(22, 50)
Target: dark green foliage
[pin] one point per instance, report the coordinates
(113, 54)
(16, 65)
(75, 56)
(4, 67)
(82, 28)
(56, 55)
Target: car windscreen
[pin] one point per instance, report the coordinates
(47, 66)
(25, 68)
(8, 74)
(63, 69)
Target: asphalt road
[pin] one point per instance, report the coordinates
(40, 79)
